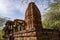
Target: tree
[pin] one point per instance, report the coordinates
(3, 21)
(52, 16)
(1, 34)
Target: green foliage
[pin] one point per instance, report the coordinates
(1, 34)
(52, 16)
(2, 22)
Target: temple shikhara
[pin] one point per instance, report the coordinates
(30, 28)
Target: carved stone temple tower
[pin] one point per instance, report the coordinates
(30, 28)
(33, 19)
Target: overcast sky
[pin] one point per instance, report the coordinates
(15, 9)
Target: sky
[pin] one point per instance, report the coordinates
(15, 9)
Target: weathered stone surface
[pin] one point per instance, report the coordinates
(30, 28)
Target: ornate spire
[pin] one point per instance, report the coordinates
(33, 17)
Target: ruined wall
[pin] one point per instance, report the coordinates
(25, 35)
(49, 34)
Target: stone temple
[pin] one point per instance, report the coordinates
(30, 28)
